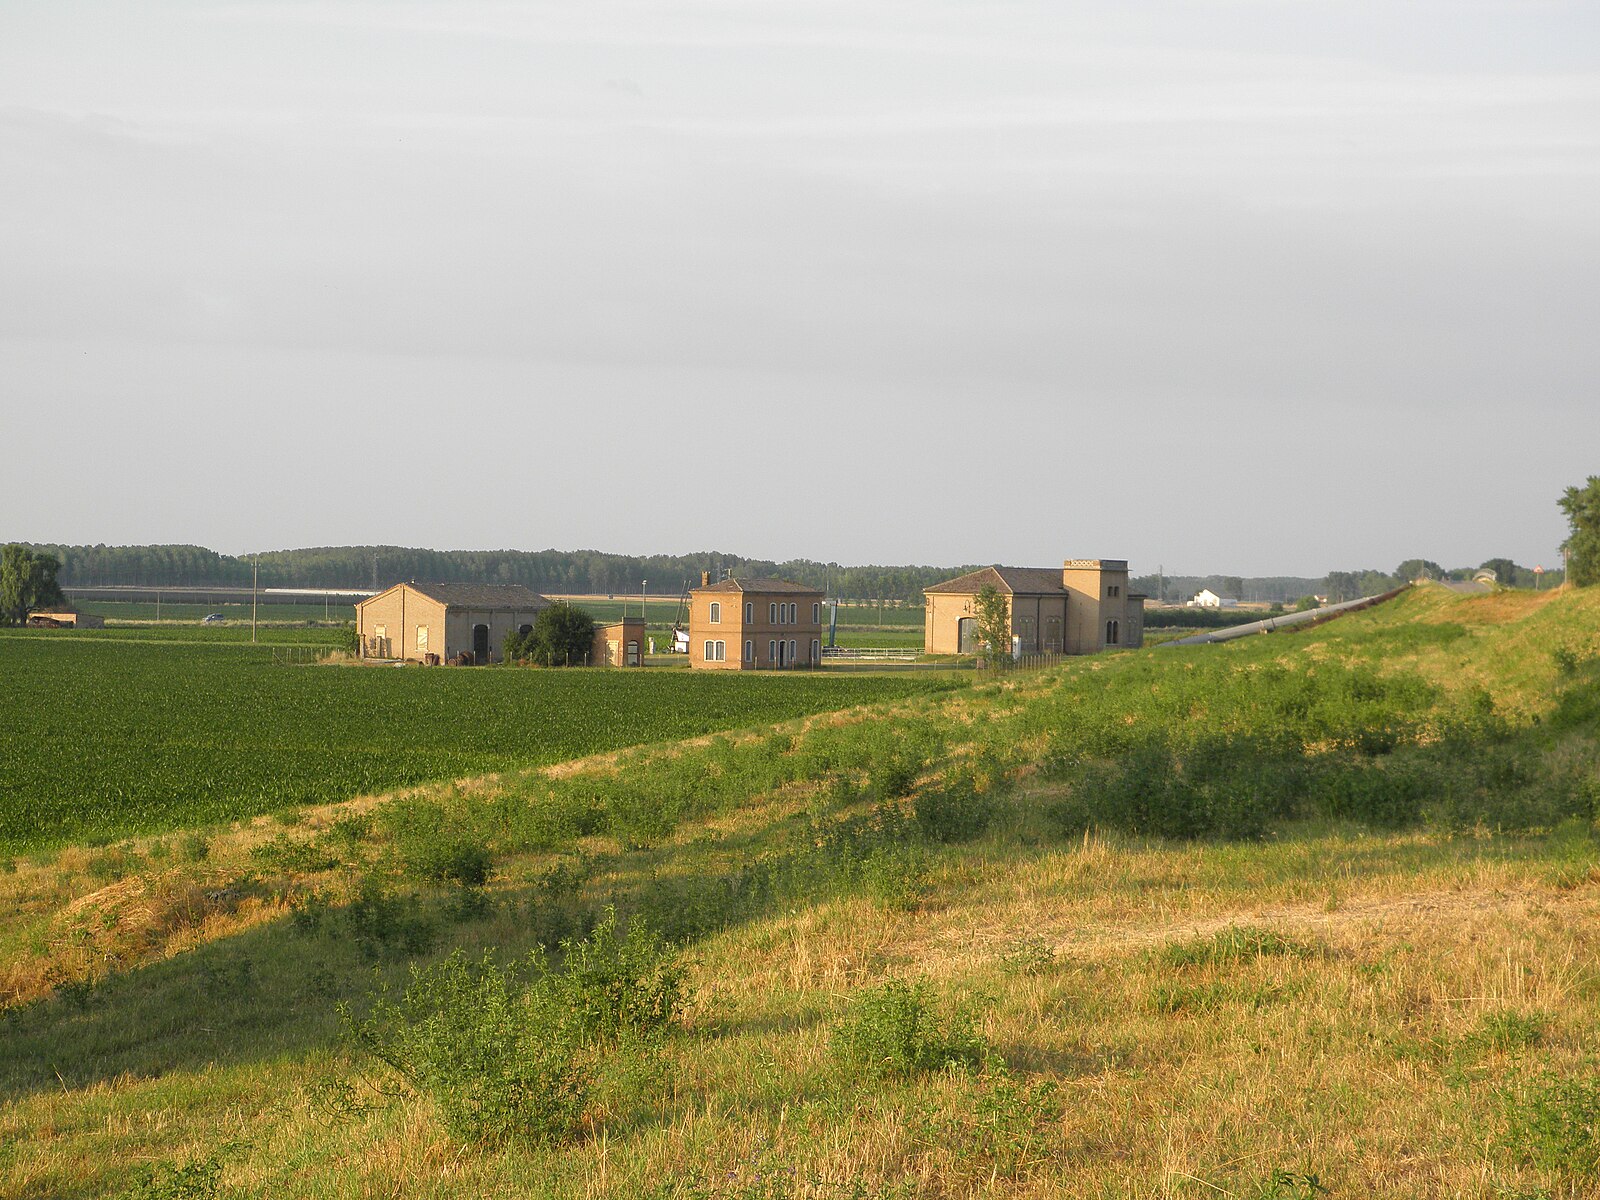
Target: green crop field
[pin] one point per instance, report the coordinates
(118, 731)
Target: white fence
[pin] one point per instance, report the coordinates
(872, 653)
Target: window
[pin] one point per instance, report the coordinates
(524, 629)
(633, 653)
(816, 651)
(381, 632)
(716, 651)
(794, 613)
(1113, 590)
(772, 652)
(716, 613)
(749, 652)
(422, 639)
(722, 651)
(791, 653)
(816, 612)
(772, 614)
(749, 613)
(1111, 633)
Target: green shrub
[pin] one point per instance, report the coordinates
(499, 1052)
(1509, 1030)
(1150, 792)
(895, 1030)
(199, 1180)
(382, 923)
(1553, 1121)
(1386, 796)
(615, 985)
(1235, 944)
(437, 845)
(285, 854)
(955, 812)
(894, 775)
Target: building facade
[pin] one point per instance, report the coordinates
(440, 622)
(754, 625)
(1083, 608)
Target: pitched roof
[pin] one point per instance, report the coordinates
(758, 585)
(481, 595)
(1016, 581)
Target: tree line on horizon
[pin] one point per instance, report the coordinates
(596, 572)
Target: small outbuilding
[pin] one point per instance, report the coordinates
(445, 622)
(619, 644)
(64, 618)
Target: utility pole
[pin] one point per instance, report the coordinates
(255, 568)
(644, 601)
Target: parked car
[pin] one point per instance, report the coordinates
(213, 619)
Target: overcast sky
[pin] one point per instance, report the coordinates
(1253, 286)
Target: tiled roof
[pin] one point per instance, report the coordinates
(759, 585)
(482, 595)
(1017, 581)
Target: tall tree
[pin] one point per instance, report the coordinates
(27, 582)
(1419, 568)
(1505, 571)
(562, 636)
(1582, 506)
(994, 620)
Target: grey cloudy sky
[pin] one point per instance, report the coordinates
(1257, 286)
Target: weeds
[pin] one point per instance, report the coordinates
(623, 984)
(896, 1030)
(1553, 1121)
(436, 845)
(1235, 944)
(501, 1056)
(513, 1053)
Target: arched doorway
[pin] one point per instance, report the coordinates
(967, 632)
(480, 644)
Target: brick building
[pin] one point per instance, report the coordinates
(1082, 608)
(754, 624)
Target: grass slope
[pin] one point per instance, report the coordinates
(1371, 971)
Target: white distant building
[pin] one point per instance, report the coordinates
(1206, 598)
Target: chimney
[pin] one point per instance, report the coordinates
(705, 578)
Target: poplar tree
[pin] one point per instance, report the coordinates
(1582, 506)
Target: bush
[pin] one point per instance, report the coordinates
(561, 636)
(955, 812)
(439, 846)
(499, 1052)
(1554, 1122)
(382, 923)
(1235, 944)
(1151, 793)
(894, 1030)
(619, 985)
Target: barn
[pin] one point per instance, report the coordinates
(1082, 607)
(444, 622)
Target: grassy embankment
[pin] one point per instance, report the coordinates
(1311, 914)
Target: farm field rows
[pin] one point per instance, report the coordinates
(123, 731)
